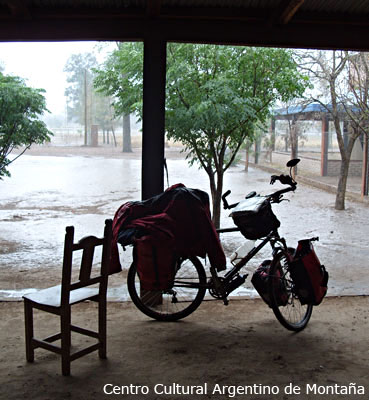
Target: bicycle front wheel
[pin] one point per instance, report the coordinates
(175, 303)
(285, 303)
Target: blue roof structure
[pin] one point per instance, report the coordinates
(310, 108)
(313, 107)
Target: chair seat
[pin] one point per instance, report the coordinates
(52, 295)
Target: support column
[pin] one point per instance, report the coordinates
(153, 121)
(324, 147)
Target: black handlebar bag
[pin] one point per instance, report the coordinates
(255, 218)
(308, 275)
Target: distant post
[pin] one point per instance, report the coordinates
(324, 147)
(94, 135)
(272, 138)
(85, 101)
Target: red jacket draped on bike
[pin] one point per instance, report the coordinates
(179, 219)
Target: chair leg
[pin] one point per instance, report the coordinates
(65, 323)
(102, 328)
(28, 322)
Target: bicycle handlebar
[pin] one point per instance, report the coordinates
(275, 197)
(225, 202)
(226, 206)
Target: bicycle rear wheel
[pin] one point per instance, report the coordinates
(177, 302)
(285, 303)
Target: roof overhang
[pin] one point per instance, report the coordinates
(333, 24)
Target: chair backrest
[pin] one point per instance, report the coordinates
(87, 245)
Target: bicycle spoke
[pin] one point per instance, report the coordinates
(180, 300)
(292, 315)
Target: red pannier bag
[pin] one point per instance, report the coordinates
(155, 263)
(260, 280)
(308, 275)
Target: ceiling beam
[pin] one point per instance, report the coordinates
(214, 13)
(67, 13)
(153, 8)
(289, 11)
(18, 9)
(304, 35)
(156, 8)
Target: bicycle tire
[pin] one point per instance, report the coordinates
(293, 315)
(178, 301)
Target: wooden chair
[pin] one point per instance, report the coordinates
(59, 299)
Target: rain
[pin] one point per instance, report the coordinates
(47, 193)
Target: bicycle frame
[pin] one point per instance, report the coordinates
(272, 238)
(221, 284)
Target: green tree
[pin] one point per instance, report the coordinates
(216, 96)
(121, 80)
(20, 109)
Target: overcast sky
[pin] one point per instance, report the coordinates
(42, 64)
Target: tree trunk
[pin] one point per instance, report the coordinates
(247, 159)
(342, 183)
(345, 150)
(216, 196)
(113, 133)
(127, 148)
(217, 208)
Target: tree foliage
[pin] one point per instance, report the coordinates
(20, 110)
(216, 96)
(121, 78)
(226, 93)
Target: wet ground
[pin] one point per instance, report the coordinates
(48, 192)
